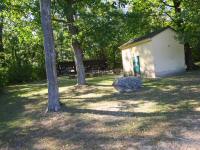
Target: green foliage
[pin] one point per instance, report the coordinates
(103, 26)
(18, 73)
(196, 55)
(3, 78)
(22, 39)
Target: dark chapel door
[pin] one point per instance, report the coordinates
(136, 65)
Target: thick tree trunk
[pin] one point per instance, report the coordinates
(78, 52)
(50, 58)
(188, 57)
(78, 57)
(188, 51)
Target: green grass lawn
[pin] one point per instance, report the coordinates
(164, 114)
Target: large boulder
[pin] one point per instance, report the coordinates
(127, 84)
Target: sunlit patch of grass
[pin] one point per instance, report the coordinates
(96, 116)
(147, 106)
(48, 143)
(21, 123)
(105, 105)
(151, 126)
(102, 80)
(42, 91)
(197, 109)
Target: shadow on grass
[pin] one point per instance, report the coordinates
(73, 110)
(77, 132)
(180, 94)
(13, 113)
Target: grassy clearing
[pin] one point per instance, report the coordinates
(164, 114)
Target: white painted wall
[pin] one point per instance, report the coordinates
(168, 53)
(160, 56)
(126, 61)
(146, 59)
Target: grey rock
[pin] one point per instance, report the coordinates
(127, 84)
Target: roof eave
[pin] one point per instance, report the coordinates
(134, 44)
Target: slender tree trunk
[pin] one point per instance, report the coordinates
(2, 55)
(113, 58)
(50, 58)
(1, 34)
(102, 54)
(78, 52)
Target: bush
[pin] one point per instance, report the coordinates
(25, 73)
(39, 72)
(196, 55)
(20, 73)
(3, 78)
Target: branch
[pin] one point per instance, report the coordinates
(166, 4)
(170, 17)
(61, 20)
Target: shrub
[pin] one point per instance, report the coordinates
(25, 73)
(196, 55)
(20, 73)
(3, 78)
(39, 73)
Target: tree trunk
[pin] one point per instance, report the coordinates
(114, 58)
(2, 55)
(50, 58)
(188, 51)
(188, 57)
(78, 57)
(78, 52)
(1, 34)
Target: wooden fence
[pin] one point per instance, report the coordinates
(91, 66)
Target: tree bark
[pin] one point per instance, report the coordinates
(50, 58)
(1, 34)
(188, 57)
(2, 54)
(78, 52)
(78, 57)
(188, 51)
